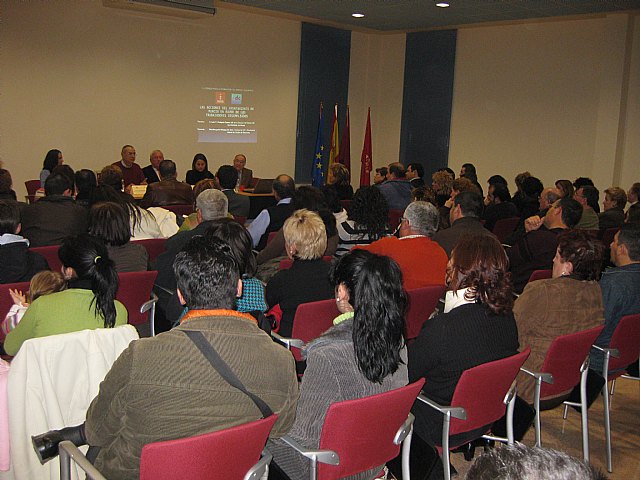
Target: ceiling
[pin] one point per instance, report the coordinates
(404, 15)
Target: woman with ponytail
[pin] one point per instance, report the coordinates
(88, 303)
(362, 354)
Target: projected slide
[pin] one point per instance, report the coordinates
(226, 115)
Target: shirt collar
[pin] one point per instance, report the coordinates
(220, 312)
(456, 299)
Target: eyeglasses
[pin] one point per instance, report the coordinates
(402, 219)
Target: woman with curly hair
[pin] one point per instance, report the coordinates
(367, 221)
(340, 178)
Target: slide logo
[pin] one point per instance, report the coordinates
(236, 99)
(220, 97)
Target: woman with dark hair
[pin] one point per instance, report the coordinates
(367, 220)
(86, 182)
(568, 302)
(109, 221)
(199, 169)
(6, 186)
(566, 188)
(476, 326)
(52, 159)
(363, 354)
(88, 303)
(339, 177)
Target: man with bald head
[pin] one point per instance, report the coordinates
(271, 219)
(152, 172)
(245, 176)
(131, 171)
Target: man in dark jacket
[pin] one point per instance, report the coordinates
(168, 191)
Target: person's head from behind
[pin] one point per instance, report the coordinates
(479, 264)
(520, 178)
(237, 237)
(112, 175)
(564, 213)
(45, 283)
(57, 184)
(283, 187)
(369, 209)
(466, 204)
(332, 198)
(625, 248)
(9, 217)
(310, 198)
(6, 182)
(167, 170)
(305, 236)
(338, 174)
(227, 176)
(85, 257)
(633, 193)
(614, 197)
(463, 184)
(519, 462)
(200, 163)
(68, 172)
(532, 187)
(396, 171)
(423, 194)
(380, 175)
(579, 253)
(109, 221)
(442, 182)
(468, 170)
(419, 218)
(371, 286)
(582, 182)
(85, 182)
(565, 187)
(52, 159)
(500, 193)
(496, 179)
(205, 184)
(207, 275)
(211, 204)
(415, 170)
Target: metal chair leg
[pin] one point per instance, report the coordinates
(445, 446)
(536, 405)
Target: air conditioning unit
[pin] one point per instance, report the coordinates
(192, 9)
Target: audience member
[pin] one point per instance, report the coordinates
(535, 250)
(615, 199)
(68, 172)
(308, 278)
(422, 261)
(518, 197)
(109, 221)
(380, 176)
(497, 179)
(52, 159)
(548, 197)
(238, 204)
(465, 220)
(397, 189)
(54, 217)
(582, 182)
(199, 170)
(468, 171)
(340, 178)
(530, 201)
(131, 171)
(349, 360)
(168, 191)
(6, 186)
(152, 171)
(271, 219)
(423, 194)
(245, 175)
(569, 302)
(17, 263)
(85, 181)
(499, 206)
(88, 303)
(587, 196)
(191, 221)
(633, 212)
(442, 183)
(415, 172)
(111, 175)
(566, 188)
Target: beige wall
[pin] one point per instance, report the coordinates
(87, 79)
(550, 98)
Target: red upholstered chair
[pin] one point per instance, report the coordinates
(51, 254)
(540, 275)
(394, 217)
(154, 246)
(184, 210)
(135, 293)
(229, 454)
(32, 187)
(6, 300)
(565, 365)
(358, 435)
(505, 227)
(480, 399)
(422, 303)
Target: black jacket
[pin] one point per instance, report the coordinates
(18, 264)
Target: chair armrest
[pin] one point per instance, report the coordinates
(613, 352)
(323, 456)
(545, 377)
(146, 306)
(404, 430)
(68, 451)
(288, 342)
(260, 468)
(456, 412)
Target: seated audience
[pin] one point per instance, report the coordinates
(55, 216)
(498, 206)
(566, 188)
(271, 219)
(464, 217)
(191, 221)
(633, 212)
(168, 191)
(415, 172)
(518, 197)
(476, 326)
(569, 302)
(52, 159)
(424, 194)
(497, 179)
(152, 171)
(367, 220)
(468, 171)
(131, 171)
(239, 205)
(422, 261)
(587, 196)
(397, 189)
(6, 186)
(340, 178)
(245, 175)
(380, 176)
(199, 170)
(68, 172)
(17, 263)
(88, 303)
(582, 182)
(109, 221)
(530, 201)
(349, 361)
(308, 278)
(85, 181)
(548, 197)
(442, 183)
(535, 250)
(615, 199)
(164, 388)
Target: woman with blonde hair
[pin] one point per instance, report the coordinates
(340, 178)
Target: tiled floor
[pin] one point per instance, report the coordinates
(565, 434)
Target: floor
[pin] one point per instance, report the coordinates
(565, 434)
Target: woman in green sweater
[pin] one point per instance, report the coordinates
(88, 303)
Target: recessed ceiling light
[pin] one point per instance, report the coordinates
(357, 15)
(442, 4)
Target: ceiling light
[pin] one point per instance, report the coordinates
(357, 15)
(442, 4)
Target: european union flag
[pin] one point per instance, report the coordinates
(317, 171)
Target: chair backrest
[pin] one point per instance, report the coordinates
(180, 209)
(626, 339)
(362, 431)
(540, 275)
(51, 254)
(225, 455)
(134, 290)
(286, 263)
(6, 301)
(422, 303)
(564, 359)
(32, 186)
(154, 246)
(505, 227)
(394, 217)
(271, 236)
(481, 391)
(312, 320)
